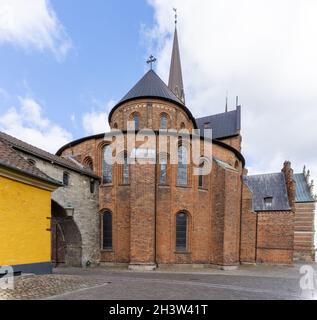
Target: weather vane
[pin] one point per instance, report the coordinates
(151, 60)
(175, 10)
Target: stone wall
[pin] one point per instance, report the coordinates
(85, 203)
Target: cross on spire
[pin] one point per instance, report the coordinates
(175, 10)
(151, 60)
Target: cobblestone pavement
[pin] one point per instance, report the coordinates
(247, 282)
(38, 287)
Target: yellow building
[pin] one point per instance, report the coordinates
(25, 213)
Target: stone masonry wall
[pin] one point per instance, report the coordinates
(86, 206)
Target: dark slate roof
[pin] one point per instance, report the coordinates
(32, 150)
(268, 185)
(151, 85)
(223, 125)
(302, 191)
(11, 159)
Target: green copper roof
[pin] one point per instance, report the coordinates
(302, 191)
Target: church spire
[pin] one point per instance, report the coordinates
(175, 82)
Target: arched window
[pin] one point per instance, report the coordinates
(125, 169)
(181, 231)
(163, 121)
(107, 230)
(182, 166)
(115, 126)
(136, 120)
(182, 125)
(65, 179)
(163, 169)
(107, 165)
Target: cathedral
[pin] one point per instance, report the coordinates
(147, 215)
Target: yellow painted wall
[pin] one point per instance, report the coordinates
(23, 222)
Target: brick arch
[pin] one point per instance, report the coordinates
(88, 162)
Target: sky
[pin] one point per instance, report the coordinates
(64, 64)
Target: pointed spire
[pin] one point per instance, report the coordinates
(175, 82)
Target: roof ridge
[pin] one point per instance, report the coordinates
(29, 148)
(29, 170)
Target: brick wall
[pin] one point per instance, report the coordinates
(275, 237)
(304, 248)
(248, 228)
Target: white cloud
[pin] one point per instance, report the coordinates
(263, 52)
(95, 122)
(33, 24)
(28, 124)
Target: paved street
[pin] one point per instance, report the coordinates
(248, 282)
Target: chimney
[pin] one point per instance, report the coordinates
(290, 183)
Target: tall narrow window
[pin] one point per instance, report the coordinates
(65, 179)
(163, 121)
(200, 176)
(182, 166)
(163, 170)
(107, 165)
(181, 231)
(125, 169)
(136, 121)
(107, 230)
(92, 186)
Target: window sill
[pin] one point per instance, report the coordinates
(107, 250)
(180, 186)
(106, 185)
(203, 189)
(124, 184)
(182, 252)
(163, 185)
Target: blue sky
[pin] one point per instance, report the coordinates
(106, 58)
(64, 64)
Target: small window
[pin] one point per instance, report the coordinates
(107, 230)
(65, 179)
(115, 126)
(163, 170)
(207, 125)
(163, 121)
(181, 231)
(31, 161)
(136, 121)
(201, 176)
(92, 186)
(268, 202)
(182, 125)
